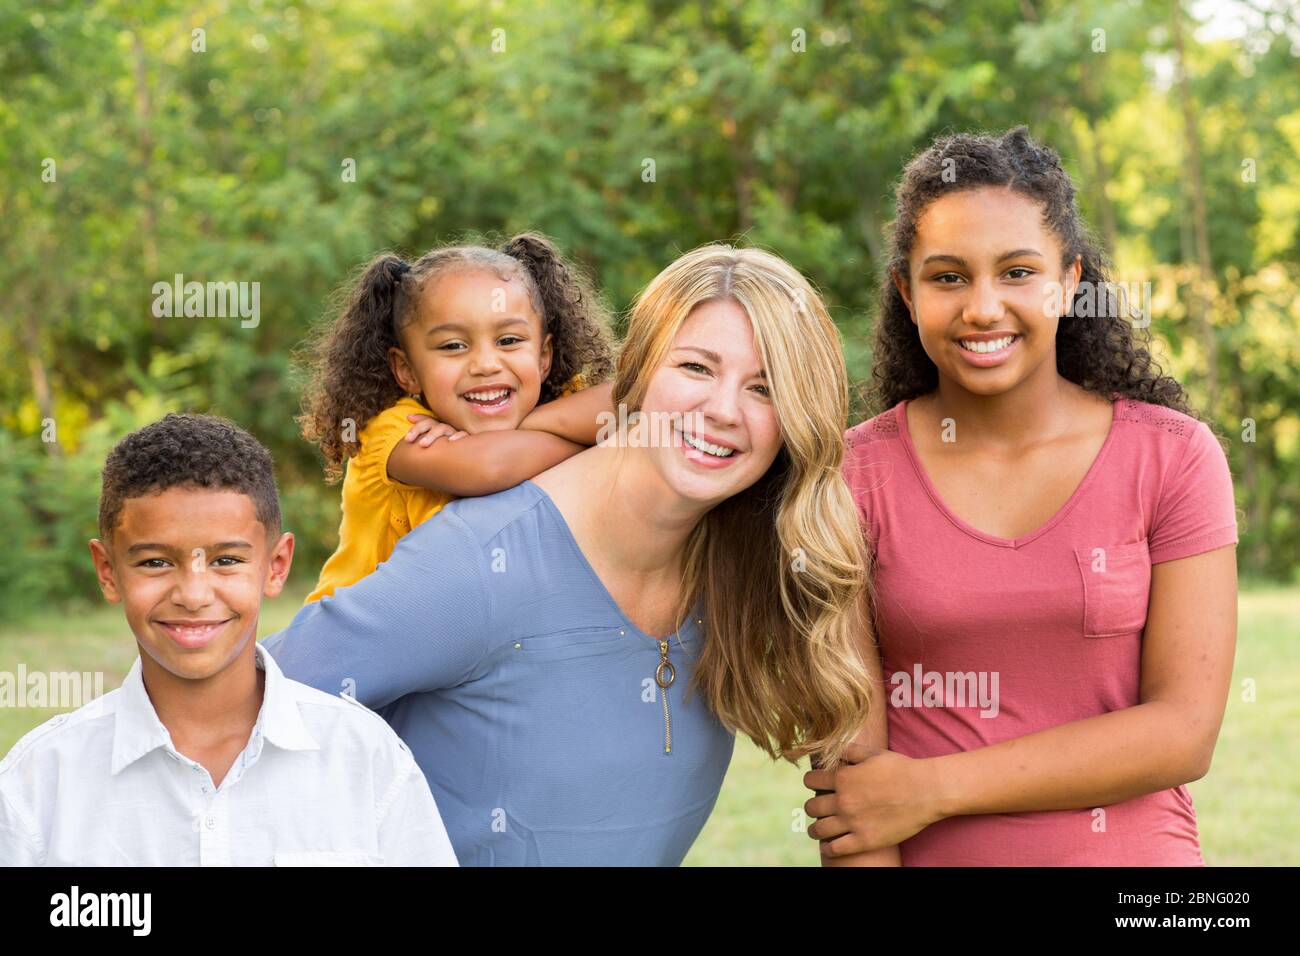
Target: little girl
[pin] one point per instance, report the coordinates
(475, 338)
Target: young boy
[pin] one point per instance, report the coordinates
(208, 755)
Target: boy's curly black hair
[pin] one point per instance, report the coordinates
(1100, 352)
(349, 375)
(188, 450)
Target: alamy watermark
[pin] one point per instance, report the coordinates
(208, 300)
(55, 689)
(921, 688)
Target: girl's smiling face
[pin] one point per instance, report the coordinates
(474, 350)
(986, 289)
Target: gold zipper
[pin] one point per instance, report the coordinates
(665, 668)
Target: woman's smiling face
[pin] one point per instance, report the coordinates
(984, 287)
(711, 389)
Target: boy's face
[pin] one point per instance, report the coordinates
(190, 567)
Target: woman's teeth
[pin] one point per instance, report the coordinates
(718, 451)
(993, 345)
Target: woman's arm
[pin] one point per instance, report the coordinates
(874, 736)
(480, 464)
(421, 621)
(576, 416)
(1165, 740)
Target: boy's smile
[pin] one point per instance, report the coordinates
(190, 566)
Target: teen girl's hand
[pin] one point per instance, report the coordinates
(428, 430)
(878, 799)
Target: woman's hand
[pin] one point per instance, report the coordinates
(431, 429)
(877, 799)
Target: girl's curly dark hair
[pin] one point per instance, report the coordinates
(349, 378)
(1100, 352)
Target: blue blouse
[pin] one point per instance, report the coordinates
(526, 695)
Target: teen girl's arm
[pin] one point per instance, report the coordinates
(480, 464)
(1166, 740)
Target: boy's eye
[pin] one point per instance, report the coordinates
(152, 563)
(228, 557)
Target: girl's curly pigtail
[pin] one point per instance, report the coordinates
(350, 380)
(570, 310)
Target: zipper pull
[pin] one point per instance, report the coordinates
(665, 674)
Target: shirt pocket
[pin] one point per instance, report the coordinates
(328, 858)
(1116, 588)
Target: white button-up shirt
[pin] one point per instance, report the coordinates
(322, 781)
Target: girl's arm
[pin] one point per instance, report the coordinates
(481, 464)
(1165, 740)
(573, 416)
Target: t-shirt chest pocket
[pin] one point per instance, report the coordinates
(1116, 588)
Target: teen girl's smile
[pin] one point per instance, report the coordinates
(987, 349)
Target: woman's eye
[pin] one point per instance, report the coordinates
(694, 365)
(1026, 275)
(945, 277)
(767, 392)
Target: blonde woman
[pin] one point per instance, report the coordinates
(569, 659)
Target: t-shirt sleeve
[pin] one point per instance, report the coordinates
(1196, 512)
(575, 384)
(379, 438)
(419, 622)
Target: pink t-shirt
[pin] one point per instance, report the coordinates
(985, 639)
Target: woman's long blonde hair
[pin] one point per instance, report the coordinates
(780, 565)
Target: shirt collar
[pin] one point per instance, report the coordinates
(138, 731)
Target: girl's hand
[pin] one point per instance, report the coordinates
(428, 430)
(877, 799)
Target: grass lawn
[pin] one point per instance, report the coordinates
(1246, 806)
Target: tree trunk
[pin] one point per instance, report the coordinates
(1206, 293)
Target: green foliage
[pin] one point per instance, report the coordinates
(782, 124)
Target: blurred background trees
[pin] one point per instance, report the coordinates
(134, 148)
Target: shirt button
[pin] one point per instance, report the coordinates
(210, 823)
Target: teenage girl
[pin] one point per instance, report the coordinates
(1053, 532)
(474, 338)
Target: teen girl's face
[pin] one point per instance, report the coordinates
(475, 351)
(712, 403)
(986, 289)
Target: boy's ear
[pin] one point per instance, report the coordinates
(278, 567)
(547, 355)
(904, 290)
(99, 554)
(402, 371)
